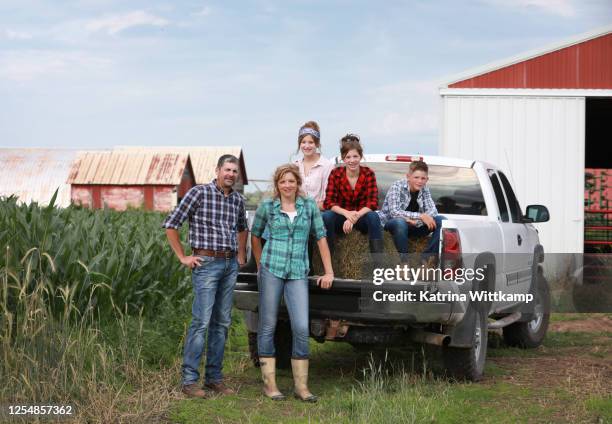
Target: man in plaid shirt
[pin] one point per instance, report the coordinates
(217, 234)
(409, 209)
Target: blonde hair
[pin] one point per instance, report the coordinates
(280, 172)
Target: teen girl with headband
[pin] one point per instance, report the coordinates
(314, 167)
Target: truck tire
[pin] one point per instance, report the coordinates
(282, 344)
(467, 363)
(530, 334)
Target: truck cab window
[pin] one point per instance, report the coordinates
(454, 190)
(515, 208)
(499, 196)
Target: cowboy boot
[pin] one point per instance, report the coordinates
(268, 375)
(300, 380)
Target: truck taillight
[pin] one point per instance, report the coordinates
(451, 249)
(403, 158)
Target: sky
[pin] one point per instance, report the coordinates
(90, 74)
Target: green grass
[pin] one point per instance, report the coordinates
(393, 387)
(601, 407)
(94, 308)
(381, 395)
(564, 317)
(575, 339)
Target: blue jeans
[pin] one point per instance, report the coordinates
(369, 223)
(401, 230)
(213, 288)
(295, 293)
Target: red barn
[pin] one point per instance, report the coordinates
(122, 179)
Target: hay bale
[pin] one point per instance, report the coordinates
(351, 258)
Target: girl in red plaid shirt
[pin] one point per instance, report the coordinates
(352, 197)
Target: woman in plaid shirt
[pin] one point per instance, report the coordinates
(282, 271)
(352, 197)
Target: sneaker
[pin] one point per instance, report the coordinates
(220, 388)
(195, 391)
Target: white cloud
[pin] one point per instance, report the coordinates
(564, 8)
(205, 11)
(26, 65)
(404, 108)
(407, 88)
(17, 35)
(114, 24)
(403, 123)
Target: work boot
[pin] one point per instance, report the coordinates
(300, 381)
(268, 375)
(195, 391)
(220, 388)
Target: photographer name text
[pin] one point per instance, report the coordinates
(474, 296)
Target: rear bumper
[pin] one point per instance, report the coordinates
(356, 301)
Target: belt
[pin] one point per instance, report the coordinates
(215, 253)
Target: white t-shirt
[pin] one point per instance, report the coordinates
(291, 215)
(315, 183)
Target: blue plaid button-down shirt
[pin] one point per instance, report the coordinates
(397, 200)
(214, 219)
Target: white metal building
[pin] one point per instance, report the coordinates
(529, 115)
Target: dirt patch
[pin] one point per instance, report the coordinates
(573, 370)
(598, 324)
(559, 384)
(562, 379)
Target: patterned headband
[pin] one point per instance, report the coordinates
(310, 131)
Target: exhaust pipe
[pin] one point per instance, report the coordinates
(505, 321)
(427, 337)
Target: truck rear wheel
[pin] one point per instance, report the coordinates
(530, 334)
(282, 345)
(468, 363)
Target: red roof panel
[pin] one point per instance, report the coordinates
(584, 65)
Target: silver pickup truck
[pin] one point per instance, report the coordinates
(485, 231)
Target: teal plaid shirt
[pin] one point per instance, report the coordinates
(285, 253)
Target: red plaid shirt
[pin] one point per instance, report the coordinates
(340, 193)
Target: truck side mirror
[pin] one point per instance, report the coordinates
(536, 213)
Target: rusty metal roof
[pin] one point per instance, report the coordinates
(203, 158)
(33, 174)
(128, 168)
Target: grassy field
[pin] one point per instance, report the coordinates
(94, 308)
(568, 379)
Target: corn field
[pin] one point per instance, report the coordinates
(75, 286)
(123, 254)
